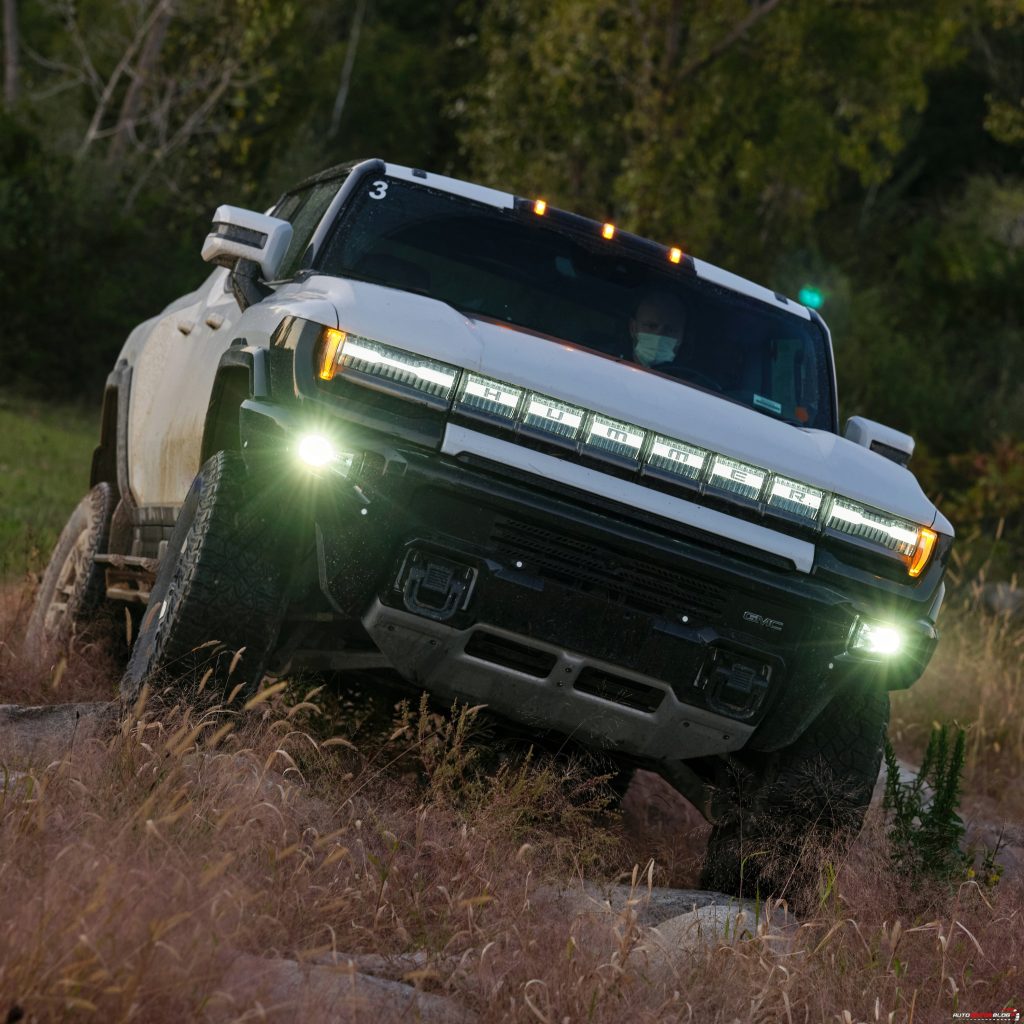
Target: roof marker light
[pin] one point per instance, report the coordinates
(675, 254)
(608, 231)
(539, 207)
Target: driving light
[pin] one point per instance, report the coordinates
(876, 638)
(316, 450)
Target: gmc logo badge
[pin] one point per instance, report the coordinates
(775, 625)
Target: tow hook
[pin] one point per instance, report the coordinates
(435, 587)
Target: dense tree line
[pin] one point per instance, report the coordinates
(870, 148)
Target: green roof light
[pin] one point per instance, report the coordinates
(811, 297)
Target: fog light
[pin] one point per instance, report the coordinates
(877, 638)
(316, 450)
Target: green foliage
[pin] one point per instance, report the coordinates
(926, 828)
(44, 471)
(873, 149)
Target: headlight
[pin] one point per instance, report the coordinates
(877, 638)
(395, 369)
(913, 543)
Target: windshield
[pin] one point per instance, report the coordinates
(521, 269)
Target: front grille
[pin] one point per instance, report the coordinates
(636, 582)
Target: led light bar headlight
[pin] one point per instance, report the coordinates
(913, 543)
(615, 437)
(736, 477)
(795, 498)
(345, 353)
(550, 416)
(489, 396)
(676, 458)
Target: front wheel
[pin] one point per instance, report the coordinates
(776, 812)
(215, 606)
(74, 586)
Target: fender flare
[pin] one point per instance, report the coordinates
(241, 374)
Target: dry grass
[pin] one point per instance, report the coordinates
(976, 680)
(134, 872)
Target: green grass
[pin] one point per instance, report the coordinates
(45, 456)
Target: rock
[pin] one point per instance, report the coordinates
(289, 991)
(649, 906)
(394, 967)
(1003, 599)
(718, 924)
(30, 735)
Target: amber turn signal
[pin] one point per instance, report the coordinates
(330, 343)
(925, 545)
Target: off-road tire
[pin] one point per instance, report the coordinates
(73, 587)
(217, 593)
(773, 813)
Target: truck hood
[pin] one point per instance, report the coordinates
(627, 392)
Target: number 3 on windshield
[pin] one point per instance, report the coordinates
(379, 190)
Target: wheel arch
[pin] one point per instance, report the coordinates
(110, 456)
(240, 375)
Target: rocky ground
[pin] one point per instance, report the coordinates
(659, 925)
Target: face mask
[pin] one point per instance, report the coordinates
(654, 348)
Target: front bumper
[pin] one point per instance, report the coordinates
(590, 622)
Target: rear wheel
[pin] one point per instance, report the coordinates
(775, 813)
(215, 606)
(73, 587)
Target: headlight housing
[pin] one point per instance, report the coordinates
(423, 379)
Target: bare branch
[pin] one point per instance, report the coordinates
(11, 82)
(347, 68)
(92, 74)
(148, 58)
(728, 41)
(122, 65)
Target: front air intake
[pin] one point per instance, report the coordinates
(520, 657)
(618, 689)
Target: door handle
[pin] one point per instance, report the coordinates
(214, 320)
(185, 326)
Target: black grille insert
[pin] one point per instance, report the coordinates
(619, 689)
(637, 582)
(501, 651)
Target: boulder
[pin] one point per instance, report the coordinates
(34, 735)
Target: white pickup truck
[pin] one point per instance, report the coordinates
(519, 458)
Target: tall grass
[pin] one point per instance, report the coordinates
(137, 870)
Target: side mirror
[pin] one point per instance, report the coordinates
(893, 444)
(243, 234)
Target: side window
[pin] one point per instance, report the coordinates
(304, 211)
